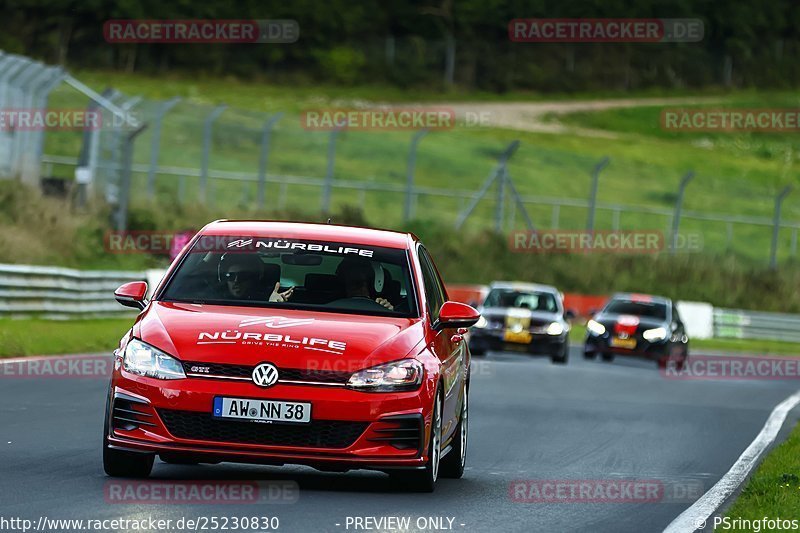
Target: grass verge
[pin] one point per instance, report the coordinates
(52, 337)
(773, 490)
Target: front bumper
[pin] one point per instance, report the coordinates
(493, 339)
(348, 429)
(601, 344)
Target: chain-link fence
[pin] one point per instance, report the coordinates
(182, 151)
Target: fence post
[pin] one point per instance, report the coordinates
(209, 122)
(21, 79)
(155, 148)
(328, 184)
(776, 224)
(125, 187)
(412, 160)
(593, 192)
(8, 67)
(262, 162)
(27, 139)
(497, 171)
(53, 82)
(676, 218)
(500, 202)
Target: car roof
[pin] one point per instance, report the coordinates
(310, 231)
(523, 286)
(634, 296)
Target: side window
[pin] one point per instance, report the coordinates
(434, 293)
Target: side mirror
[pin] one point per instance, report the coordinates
(456, 315)
(569, 314)
(132, 294)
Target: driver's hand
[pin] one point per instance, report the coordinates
(280, 296)
(384, 302)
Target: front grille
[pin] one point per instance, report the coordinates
(316, 434)
(219, 370)
(318, 376)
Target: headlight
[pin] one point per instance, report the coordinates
(555, 329)
(145, 360)
(595, 327)
(481, 323)
(396, 376)
(656, 334)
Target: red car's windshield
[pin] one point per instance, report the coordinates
(300, 274)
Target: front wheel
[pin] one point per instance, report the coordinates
(561, 355)
(453, 463)
(425, 480)
(477, 349)
(121, 463)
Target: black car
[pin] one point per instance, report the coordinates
(522, 317)
(637, 325)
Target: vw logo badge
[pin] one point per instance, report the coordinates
(265, 375)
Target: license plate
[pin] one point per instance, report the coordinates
(522, 337)
(262, 410)
(628, 344)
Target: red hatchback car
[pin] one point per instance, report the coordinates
(275, 342)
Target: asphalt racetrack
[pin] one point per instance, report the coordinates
(532, 425)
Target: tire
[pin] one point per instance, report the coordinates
(680, 361)
(589, 356)
(425, 480)
(561, 357)
(121, 463)
(477, 350)
(452, 465)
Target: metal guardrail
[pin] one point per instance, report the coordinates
(54, 292)
(60, 293)
(742, 324)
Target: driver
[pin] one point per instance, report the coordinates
(243, 277)
(358, 280)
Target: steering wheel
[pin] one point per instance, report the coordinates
(355, 302)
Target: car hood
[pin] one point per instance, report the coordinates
(284, 337)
